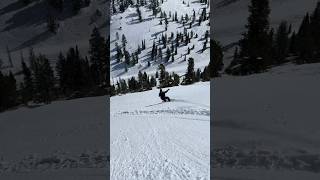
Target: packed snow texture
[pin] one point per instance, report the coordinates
(151, 139)
(127, 23)
(63, 140)
(266, 126)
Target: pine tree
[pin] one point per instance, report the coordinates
(189, 76)
(216, 59)
(76, 5)
(44, 80)
(255, 43)
(293, 47)
(139, 14)
(282, 42)
(315, 26)
(119, 54)
(52, 24)
(124, 40)
(305, 45)
(168, 54)
(176, 79)
(99, 52)
(198, 75)
(57, 4)
(153, 81)
(8, 91)
(126, 56)
(27, 90)
(162, 75)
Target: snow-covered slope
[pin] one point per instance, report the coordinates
(266, 126)
(230, 16)
(25, 27)
(63, 140)
(155, 140)
(126, 23)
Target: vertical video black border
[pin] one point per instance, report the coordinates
(211, 13)
(108, 94)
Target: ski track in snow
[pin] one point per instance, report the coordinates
(166, 141)
(65, 140)
(254, 159)
(55, 162)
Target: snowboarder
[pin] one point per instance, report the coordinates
(162, 95)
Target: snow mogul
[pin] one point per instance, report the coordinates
(162, 95)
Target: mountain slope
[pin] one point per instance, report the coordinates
(154, 140)
(150, 30)
(63, 140)
(267, 124)
(25, 27)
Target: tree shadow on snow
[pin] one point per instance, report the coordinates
(11, 7)
(136, 21)
(131, 15)
(35, 40)
(37, 14)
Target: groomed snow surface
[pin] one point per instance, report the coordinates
(65, 140)
(266, 126)
(151, 139)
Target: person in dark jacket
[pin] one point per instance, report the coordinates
(162, 95)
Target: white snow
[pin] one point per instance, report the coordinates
(25, 27)
(155, 140)
(63, 140)
(266, 126)
(151, 30)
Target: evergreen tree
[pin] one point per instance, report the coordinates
(44, 80)
(8, 91)
(57, 4)
(282, 42)
(119, 54)
(99, 53)
(216, 59)
(176, 79)
(126, 56)
(198, 75)
(162, 76)
(160, 53)
(305, 47)
(189, 76)
(27, 90)
(153, 81)
(255, 44)
(315, 26)
(25, 2)
(52, 24)
(124, 40)
(293, 47)
(168, 54)
(139, 14)
(76, 6)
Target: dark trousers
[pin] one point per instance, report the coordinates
(165, 98)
